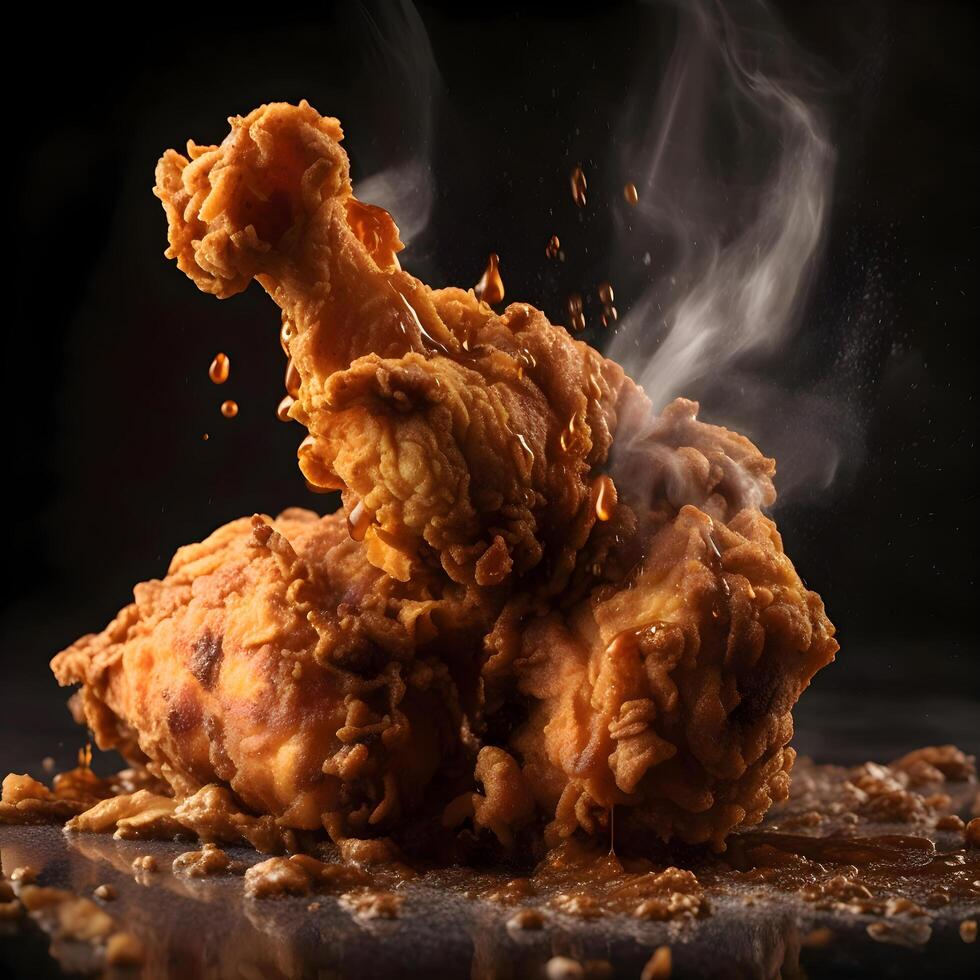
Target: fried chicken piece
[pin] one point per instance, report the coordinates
(275, 659)
(670, 698)
(466, 437)
(584, 599)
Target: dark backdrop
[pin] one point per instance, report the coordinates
(109, 395)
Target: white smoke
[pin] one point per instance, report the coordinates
(403, 64)
(734, 170)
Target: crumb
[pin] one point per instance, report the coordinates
(373, 905)
(106, 892)
(968, 930)
(563, 968)
(910, 934)
(582, 905)
(950, 822)
(902, 906)
(145, 862)
(48, 764)
(659, 966)
(526, 919)
(313, 907)
(972, 833)
(124, 949)
(210, 860)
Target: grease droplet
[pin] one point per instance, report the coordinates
(282, 411)
(609, 316)
(220, 369)
(229, 409)
(606, 497)
(579, 185)
(630, 194)
(358, 521)
(292, 379)
(205, 437)
(490, 288)
(553, 247)
(606, 294)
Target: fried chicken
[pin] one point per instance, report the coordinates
(581, 598)
(227, 672)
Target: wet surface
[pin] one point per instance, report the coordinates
(843, 893)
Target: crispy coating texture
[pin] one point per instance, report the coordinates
(275, 659)
(575, 602)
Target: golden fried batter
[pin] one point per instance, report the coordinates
(582, 601)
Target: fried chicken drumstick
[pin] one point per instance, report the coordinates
(534, 581)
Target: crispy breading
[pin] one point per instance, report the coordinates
(639, 655)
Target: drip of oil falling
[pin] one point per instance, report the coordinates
(282, 411)
(358, 521)
(553, 247)
(85, 757)
(220, 369)
(630, 194)
(579, 186)
(606, 294)
(568, 434)
(606, 498)
(286, 334)
(205, 437)
(609, 316)
(490, 288)
(576, 313)
(292, 379)
(229, 409)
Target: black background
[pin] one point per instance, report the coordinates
(107, 377)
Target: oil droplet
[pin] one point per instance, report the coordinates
(286, 334)
(606, 497)
(606, 294)
(528, 452)
(358, 521)
(609, 315)
(553, 247)
(568, 434)
(490, 288)
(229, 409)
(85, 757)
(579, 185)
(629, 193)
(292, 379)
(205, 437)
(375, 229)
(220, 369)
(576, 315)
(282, 411)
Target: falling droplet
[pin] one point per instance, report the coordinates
(282, 411)
(606, 294)
(553, 247)
(292, 379)
(205, 437)
(220, 369)
(579, 185)
(630, 194)
(609, 316)
(229, 409)
(576, 315)
(358, 521)
(490, 288)
(606, 497)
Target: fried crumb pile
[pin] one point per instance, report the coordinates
(541, 607)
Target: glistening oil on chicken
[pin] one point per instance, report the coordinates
(543, 610)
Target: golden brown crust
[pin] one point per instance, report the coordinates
(579, 601)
